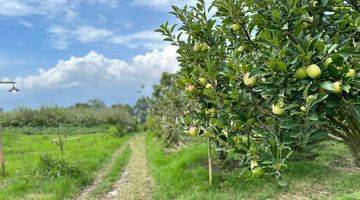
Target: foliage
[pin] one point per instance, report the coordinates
(54, 167)
(141, 109)
(67, 130)
(265, 78)
(117, 131)
(93, 114)
(166, 110)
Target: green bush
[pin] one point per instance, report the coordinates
(117, 131)
(55, 167)
(73, 116)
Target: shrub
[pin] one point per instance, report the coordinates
(117, 131)
(55, 167)
(73, 116)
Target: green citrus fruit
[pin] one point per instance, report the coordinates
(337, 87)
(193, 131)
(240, 49)
(351, 73)
(328, 61)
(277, 110)
(313, 71)
(301, 73)
(202, 81)
(249, 81)
(236, 27)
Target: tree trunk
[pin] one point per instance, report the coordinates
(354, 147)
(352, 117)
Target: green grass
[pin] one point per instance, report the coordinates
(113, 174)
(183, 175)
(24, 180)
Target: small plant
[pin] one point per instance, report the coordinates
(56, 167)
(117, 131)
(61, 138)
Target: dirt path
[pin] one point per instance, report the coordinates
(86, 193)
(135, 183)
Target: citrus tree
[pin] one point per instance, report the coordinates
(167, 110)
(266, 77)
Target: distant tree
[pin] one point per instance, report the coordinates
(126, 107)
(96, 103)
(81, 105)
(141, 108)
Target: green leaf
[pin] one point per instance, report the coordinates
(327, 85)
(313, 117)
(332, 48)
(346, 88)
(276, 14)
(320, 98)
(324, 2)
(347, 52)
(306, 91)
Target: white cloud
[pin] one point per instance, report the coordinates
(14, 8)
(97, 70)
(50, 8)
(61, 37)
(147, 39)
(91, 34)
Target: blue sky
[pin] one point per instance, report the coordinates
(67, 51)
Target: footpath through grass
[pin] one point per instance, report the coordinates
(183, 175)
(113, 175)
(61, 176)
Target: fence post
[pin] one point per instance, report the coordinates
(2, 160)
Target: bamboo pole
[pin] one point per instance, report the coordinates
(209, 160)
(2, 160)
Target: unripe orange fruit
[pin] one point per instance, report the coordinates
(337, 87)
(240, 49)
(236, 27)
(328, 61)
(313, 71)
(249, 81)
(301, 73)
(190, 88)
(208, 86)
(202, 81)
(193, 131)
(351, 73)
(277, 110)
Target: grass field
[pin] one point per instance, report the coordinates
(183, 175)
(83, 155)
(69, 130)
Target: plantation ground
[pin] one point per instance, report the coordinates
(183, 175)
(112, 165)
(24, 180)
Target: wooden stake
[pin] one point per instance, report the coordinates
(209, 160)
(2, 160)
